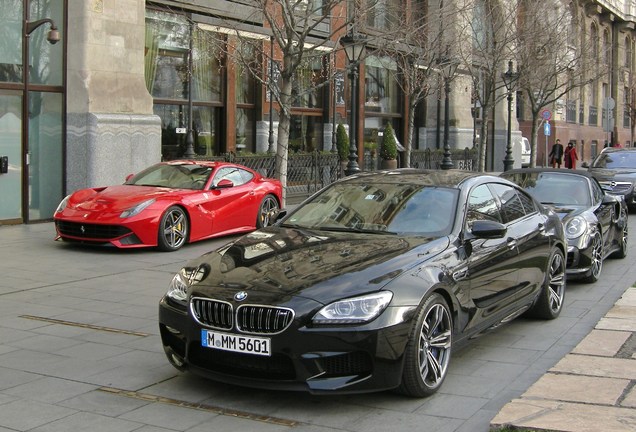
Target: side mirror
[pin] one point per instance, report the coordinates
(129, 176)
(486, 229)
(611, 199)
(223, 184)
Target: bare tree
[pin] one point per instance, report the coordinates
(486, 44)
(552, 57)
(421, 47)
(303, 32)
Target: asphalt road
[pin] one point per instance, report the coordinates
(80, 350)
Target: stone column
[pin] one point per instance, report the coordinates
(111, 129)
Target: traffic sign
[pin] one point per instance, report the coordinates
(546, 115)
(546, 129)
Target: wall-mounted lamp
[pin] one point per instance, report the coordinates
(53, 36)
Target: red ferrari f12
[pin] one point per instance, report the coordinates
(170, 204)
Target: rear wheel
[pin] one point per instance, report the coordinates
(622, 249)
(428, 350)
(173, 229)
(550, 300)
(267, 211)
(596, 258)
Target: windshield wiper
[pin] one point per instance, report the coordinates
(354, 230)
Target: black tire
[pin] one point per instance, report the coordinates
(596, 259)
(267, 211)
(428, 351)
(550, 301)
(622, 249)
(174, 229)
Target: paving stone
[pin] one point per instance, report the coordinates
(49, 389)
(573, 388)
(603, 343)
(624, 324)
(628, 298)
(597, 366)
(169, 416)
(565, 417)
(24, 414)
(98, 423)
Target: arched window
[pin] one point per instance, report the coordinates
(628, 52)
(607, 47)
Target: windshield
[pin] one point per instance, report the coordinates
(186, 176)
(619, 159)
(384, 207)
(555, 188)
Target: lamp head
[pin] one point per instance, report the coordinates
(53, 36)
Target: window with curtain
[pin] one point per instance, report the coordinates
(381, 85)
(245, 85)
(384, 14)
(207, 79)
(11, 41)
(306, 91)
(166, 53)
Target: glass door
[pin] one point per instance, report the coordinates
(45, 155)
(11, 149)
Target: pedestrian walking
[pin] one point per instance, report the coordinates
(556, 154)
(570, 157)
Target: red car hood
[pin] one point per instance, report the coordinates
(120, 198)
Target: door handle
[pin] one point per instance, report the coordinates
(511, 243)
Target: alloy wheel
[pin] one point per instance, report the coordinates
(267, 212)
(435, 345)
(556, 284)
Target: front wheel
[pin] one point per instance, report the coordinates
(428, 350)
(173, 229)
(550, 301)
(267, 211)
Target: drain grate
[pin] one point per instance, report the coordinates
(83, 325)
(199, 406)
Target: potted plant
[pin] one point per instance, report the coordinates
(388, 154)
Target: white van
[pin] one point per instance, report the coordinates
(526, 151)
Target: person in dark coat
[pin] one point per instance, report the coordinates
(570, 157)
(556, 154)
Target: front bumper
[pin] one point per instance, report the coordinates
(318, 360)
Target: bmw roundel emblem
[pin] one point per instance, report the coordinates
(240, 296)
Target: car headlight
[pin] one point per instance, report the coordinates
(354, 310)
(178, 288)
(575, 227)
(133, 211)
(62, 205)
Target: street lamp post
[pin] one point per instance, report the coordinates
(270, 136)
(189, 151)
(449, 68)
(509, 78)
(354, 45)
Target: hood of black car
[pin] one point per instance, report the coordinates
(319, 265)
(628, 174)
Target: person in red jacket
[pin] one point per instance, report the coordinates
(570, 156)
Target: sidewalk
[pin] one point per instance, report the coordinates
(593, 388)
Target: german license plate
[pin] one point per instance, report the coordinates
(236, 343)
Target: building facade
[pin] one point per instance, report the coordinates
(129, 81)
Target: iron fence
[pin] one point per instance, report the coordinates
(309, 172)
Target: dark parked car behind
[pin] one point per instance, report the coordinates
(595, 221)
(367, 285)
(615, 169)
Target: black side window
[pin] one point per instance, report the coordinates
(528, 203)
(482, 205)
(597, 191)
(511, 205)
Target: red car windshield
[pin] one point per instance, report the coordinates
(190, 176)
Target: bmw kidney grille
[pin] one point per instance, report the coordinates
(247, 318)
